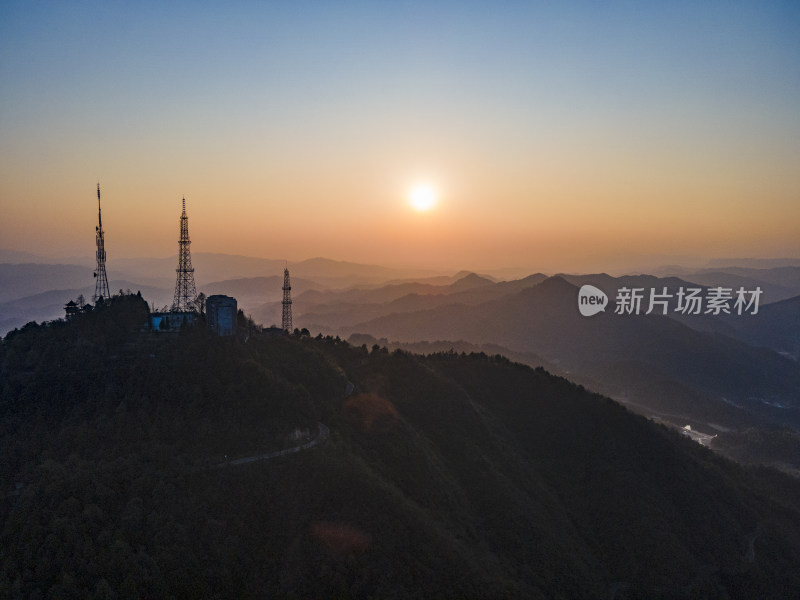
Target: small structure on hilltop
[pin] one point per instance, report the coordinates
(72, 309)
(170, 321)
(221, 314)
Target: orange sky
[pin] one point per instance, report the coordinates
(588, 139)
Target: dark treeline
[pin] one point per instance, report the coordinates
(450, 475)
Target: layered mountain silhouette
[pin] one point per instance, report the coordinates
(716, 372)
(652, 359)
(24, 286)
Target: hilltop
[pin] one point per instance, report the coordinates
(450, 475)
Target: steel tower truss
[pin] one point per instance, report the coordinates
(286, 321)
(185, 290)
(101, 279)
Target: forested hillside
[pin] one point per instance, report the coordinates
(450, 475)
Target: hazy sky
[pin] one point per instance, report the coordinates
(558, 135)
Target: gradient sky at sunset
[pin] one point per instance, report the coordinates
(573, 135)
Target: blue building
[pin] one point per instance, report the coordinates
(221, 314)
(170, 321)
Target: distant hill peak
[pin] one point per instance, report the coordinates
(469, 281)
(465, 273)
(556, 282)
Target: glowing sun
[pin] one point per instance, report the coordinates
(422, 197)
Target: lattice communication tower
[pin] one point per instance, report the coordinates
(101, 279)
(185, 290)
(286, 321)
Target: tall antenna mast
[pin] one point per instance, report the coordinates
(101, 279)
(185, 291)
(286, 321)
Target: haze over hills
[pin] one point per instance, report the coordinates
(544, 319)
(777, 283)
(211, 267)
(729, 371)
(332, 309)
(778, 327)
(21, 280)
(19, 283)
(701, 369)
(332, 294)
(754, 263)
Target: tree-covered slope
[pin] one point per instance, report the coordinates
(443, 476)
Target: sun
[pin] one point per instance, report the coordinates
(422, 197)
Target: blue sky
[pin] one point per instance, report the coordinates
(579, 115)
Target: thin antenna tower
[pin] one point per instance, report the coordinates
(185, 291)
(101, 279)
(286, 322)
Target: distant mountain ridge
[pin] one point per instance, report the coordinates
(614, 351)
(754, 263)
(647, 360)
(24, 280)
(20, 280)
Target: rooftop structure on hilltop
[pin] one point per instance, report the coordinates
(221, 314)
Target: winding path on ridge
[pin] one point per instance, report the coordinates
(323, 433)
